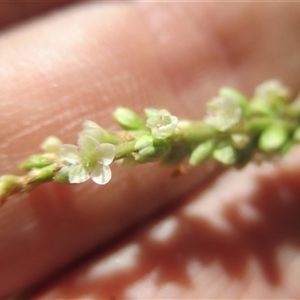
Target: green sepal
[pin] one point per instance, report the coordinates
(149, 149)
(8, 184)
(38, 161)
(43, 174)
(225, 153)
(128, 119)
(62, 175)
(273, 138)
(201, 153)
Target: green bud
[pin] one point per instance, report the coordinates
(38, 161)
(149, 149)
(124, 149)
(8, 185)
(260, 107)
(225, 154)
(128, 119)
(144, 142)
(43, 174)
(51, 144)
(273, 138)
(201, 153)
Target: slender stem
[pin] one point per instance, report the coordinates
(124, 149)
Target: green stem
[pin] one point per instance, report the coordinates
(194, 132)
(124, 149)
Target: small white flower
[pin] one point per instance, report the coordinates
(223, 112)
(161, 123)
(272, 89)
(90, 159)
(51, 144)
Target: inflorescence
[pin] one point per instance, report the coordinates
(234, 132)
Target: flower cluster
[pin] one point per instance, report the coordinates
(225, 110)
(161, 123)
(236, 130)
(91, 158)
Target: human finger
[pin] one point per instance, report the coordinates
(85, 65)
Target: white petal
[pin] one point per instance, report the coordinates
(174, 121)
(90, 125)
(78, 174)
(106, 153)
(69, 153)
(153, 122)
(101, 174)
(224, 112)
(87, 143)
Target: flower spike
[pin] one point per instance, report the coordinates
(235, 131)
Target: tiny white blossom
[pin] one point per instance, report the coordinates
(223, 112)
(51, 144)
(90, 159)
(272, 88)
(161, 123)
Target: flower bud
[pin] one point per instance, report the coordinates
(273, 138)
(149, 149)
(51, 144)
(38, 161)
(225, 154)
(128, 119)
(201, 153)
(43, 174)
(8, 185)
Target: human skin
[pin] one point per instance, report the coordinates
(223, 234)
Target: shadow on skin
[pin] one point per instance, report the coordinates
(274, 202)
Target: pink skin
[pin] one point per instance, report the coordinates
(233, 234)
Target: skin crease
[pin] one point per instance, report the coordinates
(239, 229)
